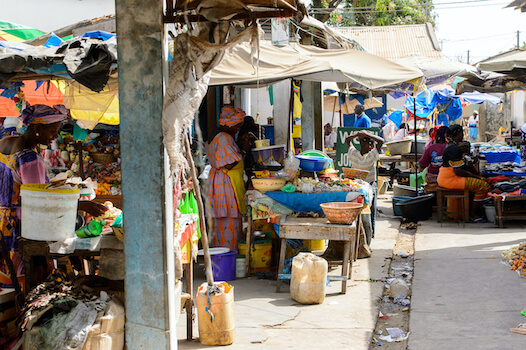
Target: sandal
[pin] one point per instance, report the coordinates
(478, 221)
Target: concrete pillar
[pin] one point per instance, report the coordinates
(312, 116)
(148, 213)
(482, 122)
(281, 111)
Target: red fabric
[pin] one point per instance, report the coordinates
(499, 178)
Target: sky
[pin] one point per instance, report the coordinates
(484, 27)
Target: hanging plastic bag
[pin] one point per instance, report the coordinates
(188, 205)
(292, 165)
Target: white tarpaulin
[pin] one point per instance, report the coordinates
(188, 82)
(364, 71)
(505, 62)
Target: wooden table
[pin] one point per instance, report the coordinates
(319, 228)
(31, 248)
(515, 210)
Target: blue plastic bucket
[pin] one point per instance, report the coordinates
(224, 266)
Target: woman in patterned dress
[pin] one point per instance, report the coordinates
(226, 188)
(20, 164)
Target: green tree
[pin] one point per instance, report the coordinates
(373, 12)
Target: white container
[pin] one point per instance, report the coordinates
(399, 147)
(48, 214)
(308, 280)
(240, 266)
(404, 191)
(490, 212)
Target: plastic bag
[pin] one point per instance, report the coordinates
(292, 165)
(289, 188)
(188, 205)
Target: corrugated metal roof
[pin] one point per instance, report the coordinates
(393, 42)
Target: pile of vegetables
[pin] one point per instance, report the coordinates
(515, 257)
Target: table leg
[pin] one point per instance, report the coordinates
(357, 238)
(499, 208)
(282, 253)
(190, 302)
(29, 272)
(466, 206)
(248, 239)
(440, 205)
(352, 256)
(345, 265)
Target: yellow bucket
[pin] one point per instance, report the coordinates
(314, 244)
(260, 255)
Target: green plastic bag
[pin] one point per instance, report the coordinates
(289, 188)
(188, 205)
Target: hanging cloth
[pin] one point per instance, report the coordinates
(238, 183)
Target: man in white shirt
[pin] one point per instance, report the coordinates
(330, 136)
(366, 159)
(473, 124)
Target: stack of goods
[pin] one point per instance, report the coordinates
(515, 257)
(312, 185)
(104, 166)
(504, 186)
(61, 315)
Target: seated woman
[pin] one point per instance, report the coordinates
(432, 157)
(455, 174)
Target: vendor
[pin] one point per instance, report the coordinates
(362, 120)
(367, 159)
(473, 125)
(21, 164)
(226, 188)
(432, 157)
(455, 134)
(455, 174)
(330, 136)
(246, 139)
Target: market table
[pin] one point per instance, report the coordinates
(84, 248)
(319, 228)
(516, 210)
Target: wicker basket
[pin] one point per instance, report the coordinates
(342, 212)
(102, 158)
(355, 173)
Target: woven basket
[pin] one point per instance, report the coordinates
(102, 158)
(342, 212)
(355, 173)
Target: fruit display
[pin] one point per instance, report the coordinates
(515, 257)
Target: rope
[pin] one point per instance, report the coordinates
(208, 308)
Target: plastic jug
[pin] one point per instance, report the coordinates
(308, 280)
(92, 229)
(215, 315)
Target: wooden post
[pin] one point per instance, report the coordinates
(200, 206)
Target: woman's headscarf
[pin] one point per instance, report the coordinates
(231, 116)
(42, 114)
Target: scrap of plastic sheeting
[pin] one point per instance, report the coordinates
(395, 335)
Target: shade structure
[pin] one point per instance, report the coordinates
(492, 83)
(508, 62)
(17, 32)
(437, 70)
(46, 93)
(332, 104)
(363, 71)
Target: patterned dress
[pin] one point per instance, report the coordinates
(228, 228)
(23, 167)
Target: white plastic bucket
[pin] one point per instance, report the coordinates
(48, 214)
(240, 266)
(490, 212)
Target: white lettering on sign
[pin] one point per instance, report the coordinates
(344, 160)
